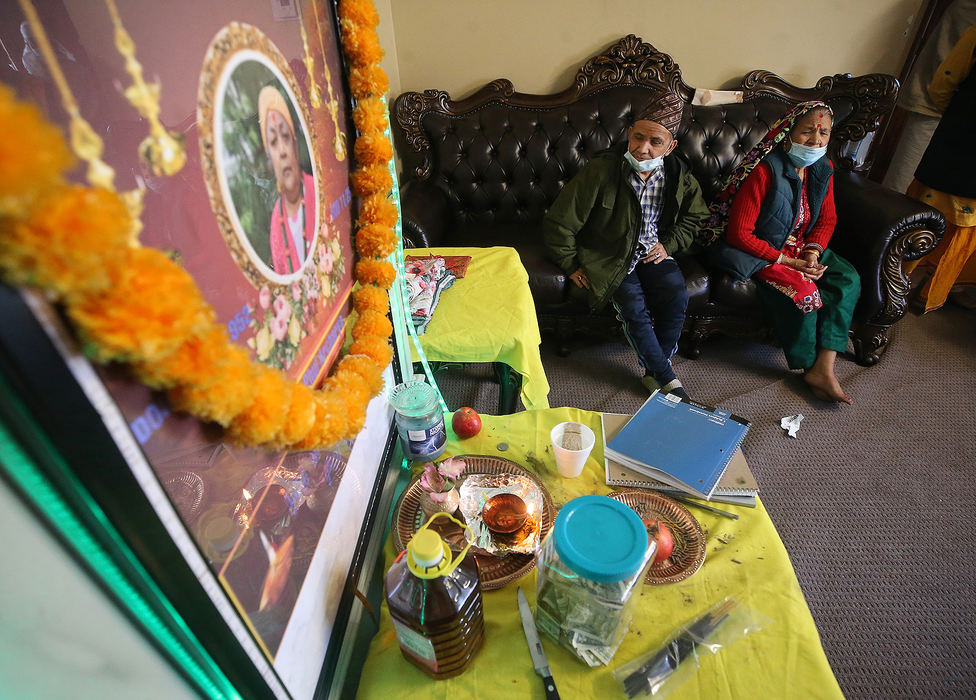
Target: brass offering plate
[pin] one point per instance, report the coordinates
(496, 571)
(689, 538)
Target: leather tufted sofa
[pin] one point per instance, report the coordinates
(483, 170)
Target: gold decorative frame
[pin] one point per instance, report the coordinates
(232, 46)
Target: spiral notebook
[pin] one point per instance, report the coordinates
(680, 446)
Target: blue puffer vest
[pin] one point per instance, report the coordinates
(777, 213)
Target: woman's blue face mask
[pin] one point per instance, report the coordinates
(801, 156)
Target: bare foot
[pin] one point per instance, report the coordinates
(825, 387)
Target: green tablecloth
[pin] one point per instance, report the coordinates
(489, 316)
(784, 659)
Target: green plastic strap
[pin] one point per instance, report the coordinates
(399, 299)
(26, 474)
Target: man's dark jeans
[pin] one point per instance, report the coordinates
(651, 303)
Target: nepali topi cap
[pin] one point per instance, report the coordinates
(664, 108)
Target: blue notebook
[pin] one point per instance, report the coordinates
(680, 442)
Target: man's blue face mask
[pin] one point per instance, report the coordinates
(801, 156)
(644, 166)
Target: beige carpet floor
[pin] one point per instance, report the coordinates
(874, 502)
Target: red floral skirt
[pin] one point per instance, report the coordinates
(791, 281)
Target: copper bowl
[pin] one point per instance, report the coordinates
(504, 512)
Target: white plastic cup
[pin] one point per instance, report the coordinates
(570, 462)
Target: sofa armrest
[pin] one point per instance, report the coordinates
(425, 213)
(877, 230)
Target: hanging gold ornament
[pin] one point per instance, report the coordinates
(162, 152)
(339, 141)
(314, 95)
(86, 144)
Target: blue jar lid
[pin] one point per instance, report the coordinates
(600, 538)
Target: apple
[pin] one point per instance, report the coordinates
(665, 540)
(466, 422)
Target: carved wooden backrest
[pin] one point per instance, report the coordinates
(501, 155)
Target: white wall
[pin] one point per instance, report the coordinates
(458, 45)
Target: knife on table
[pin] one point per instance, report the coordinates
(535, 647)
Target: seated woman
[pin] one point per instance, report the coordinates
(293, 215)
(776, 216)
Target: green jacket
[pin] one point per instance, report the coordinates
(594, 221)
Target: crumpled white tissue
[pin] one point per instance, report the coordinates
(791, 424)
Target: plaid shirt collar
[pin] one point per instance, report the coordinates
(650, 193)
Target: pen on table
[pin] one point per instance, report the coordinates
(703, 506)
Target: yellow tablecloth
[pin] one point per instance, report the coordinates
(785, 659)
(488, 316)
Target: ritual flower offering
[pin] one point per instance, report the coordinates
(438, 480)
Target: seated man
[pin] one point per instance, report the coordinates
(615, 227)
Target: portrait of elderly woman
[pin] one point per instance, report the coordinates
(293, 215)
(267, 178)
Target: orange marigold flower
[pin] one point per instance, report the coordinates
(70, 242)
(150, 308)
(367, 369)
(373, 271)
(372, 323)
(331, 421)
(370, 116)
(191, 363)
(354, 390)
(301, 415)
(372, 179)
(368, 80)
(375, 241)
(376, 348)
(361, 45)
(361, 12)
(33, 155)
(231, 392)
(373, 149)
(371, 298)
(263, 422)
(379, 209)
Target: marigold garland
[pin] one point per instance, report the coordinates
(371, 298)
(32, 155)
(378, 209)
(373, 149)
(145, 313)
(378, 272)
(361, 13)
(371, 179)
(368, 80)
(63, 244)
(370, 116)
(136, 305)
(372, 323)
(376, 241)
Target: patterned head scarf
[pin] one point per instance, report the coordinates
(665, 108)
(719, 209)
(270, 98)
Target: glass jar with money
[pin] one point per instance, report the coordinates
(589, 565)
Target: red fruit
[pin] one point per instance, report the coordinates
(466, 422)
(665, 540)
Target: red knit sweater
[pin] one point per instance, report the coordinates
(741, 232)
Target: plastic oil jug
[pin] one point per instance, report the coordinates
(434, 597)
